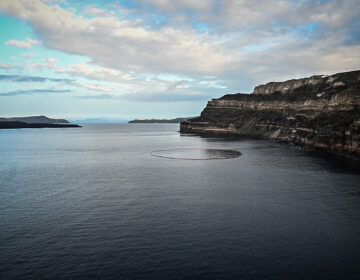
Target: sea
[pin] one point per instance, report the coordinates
(142, 201)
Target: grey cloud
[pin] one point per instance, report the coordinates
(155, 97)
(166, 97)
(34, 91)
(177, 84)
(97, 96)
(97, 12)
(290, 38)
(173, 6)
(21, 78)
(120, 44)
(71, 82)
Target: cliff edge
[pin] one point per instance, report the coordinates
(320, 111)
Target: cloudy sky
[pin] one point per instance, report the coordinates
(160, 58)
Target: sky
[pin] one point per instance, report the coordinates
(127, 59)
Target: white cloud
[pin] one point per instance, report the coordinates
(120, 44)
(126, 83)
(7, 66)
(48, 62)
(28, 54)
(171, 5)
(86, 71)
(93, 86)
(27, 44)
(241, 43)
(177, 85)
(97, 12)
(30, 84)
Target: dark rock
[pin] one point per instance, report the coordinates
(34, 119)
(320, 111)
(17, 124)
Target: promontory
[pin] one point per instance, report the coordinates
(319, 111)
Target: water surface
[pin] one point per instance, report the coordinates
(196, 154)
(92, 203)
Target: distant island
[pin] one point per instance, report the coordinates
(34, 122)
(177, 120)
(33, 119)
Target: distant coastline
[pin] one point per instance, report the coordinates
(34, 119)
(15, 124)
(34, 122)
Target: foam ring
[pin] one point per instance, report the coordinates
(203, 154)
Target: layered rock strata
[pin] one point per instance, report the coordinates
(320, 111)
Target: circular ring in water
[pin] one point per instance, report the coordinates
(196, 154)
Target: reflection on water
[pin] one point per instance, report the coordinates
(196, 154)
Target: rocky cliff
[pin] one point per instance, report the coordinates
(320, 111)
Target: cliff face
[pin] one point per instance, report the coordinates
(320, 111)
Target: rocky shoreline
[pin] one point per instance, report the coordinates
(321, 112)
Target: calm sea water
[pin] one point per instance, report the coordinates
(92, 203)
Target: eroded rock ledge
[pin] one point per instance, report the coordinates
(320, 111)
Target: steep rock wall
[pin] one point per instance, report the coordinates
(322, 112)
(333, 81)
